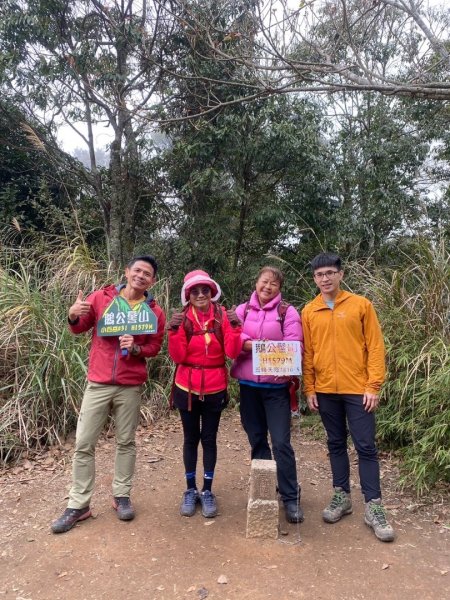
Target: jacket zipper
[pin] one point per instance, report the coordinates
(333, 323)
(113, 375)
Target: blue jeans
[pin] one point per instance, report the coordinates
(336, 410)
(266, 410)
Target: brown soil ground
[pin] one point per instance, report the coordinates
(163, 556)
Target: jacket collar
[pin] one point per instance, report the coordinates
(202, 317)
(148, 296)
(319, 303)
(254, 302)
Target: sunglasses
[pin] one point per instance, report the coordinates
(204, 290)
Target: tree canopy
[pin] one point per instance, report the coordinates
(315, 123)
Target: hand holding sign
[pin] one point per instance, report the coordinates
(247, 346)
(126, 343)
(121, 320)
(79, 308)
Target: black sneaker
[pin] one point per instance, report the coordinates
(125, 510)
(70, 518)
(209, 504)
(294, 512)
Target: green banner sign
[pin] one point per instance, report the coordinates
(119, 318)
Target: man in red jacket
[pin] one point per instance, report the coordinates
(116, 372)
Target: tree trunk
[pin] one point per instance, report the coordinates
(124, 169)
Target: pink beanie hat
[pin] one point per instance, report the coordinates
(199, 278)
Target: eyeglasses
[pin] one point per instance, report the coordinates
(204, 290)
(327, 274)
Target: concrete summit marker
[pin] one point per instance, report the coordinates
(262, 508)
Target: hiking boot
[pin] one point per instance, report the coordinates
(375, 517)
(189, 502)
(124, 508)
(294, 512)
(209, 504)
(69, 518)
(340, 505)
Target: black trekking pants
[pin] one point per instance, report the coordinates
(266, 410)
(200, 424)
(336, 411)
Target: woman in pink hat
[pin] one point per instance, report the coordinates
(200, 339)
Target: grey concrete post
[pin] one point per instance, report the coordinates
(262, 508)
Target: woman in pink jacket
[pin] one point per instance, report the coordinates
(200, 338)
(265, 400)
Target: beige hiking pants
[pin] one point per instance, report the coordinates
(123, 402)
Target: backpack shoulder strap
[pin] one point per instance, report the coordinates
(246, 311)
(187, 324)
(218, 321)
(282, 310)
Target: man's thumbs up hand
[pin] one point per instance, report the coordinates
(79, 308)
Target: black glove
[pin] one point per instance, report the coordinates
(175, 321)
(232, 316)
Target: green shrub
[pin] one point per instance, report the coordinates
(43, 366)
(413, 304)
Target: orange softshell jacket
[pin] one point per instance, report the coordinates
(344, 348)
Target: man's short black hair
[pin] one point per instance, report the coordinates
(148, 259)
(326, 259)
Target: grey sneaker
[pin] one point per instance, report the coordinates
(209, 504)
(189, 502)
(340, 505)
(375, 517)
(124, 508)
(69, 518)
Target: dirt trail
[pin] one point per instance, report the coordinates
(163, 556)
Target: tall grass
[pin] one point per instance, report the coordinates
(413, 303)
(42, 365)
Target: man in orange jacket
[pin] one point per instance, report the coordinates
(343, 370)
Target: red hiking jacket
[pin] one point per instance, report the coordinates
(201, 368)
(106, 363)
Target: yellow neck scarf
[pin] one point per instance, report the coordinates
(204, 325)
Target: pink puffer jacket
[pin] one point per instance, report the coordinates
(262, 323)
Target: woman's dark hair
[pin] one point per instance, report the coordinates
(148, 259)
(277, 274)
(326, 259)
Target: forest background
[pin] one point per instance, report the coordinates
(241, 132)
